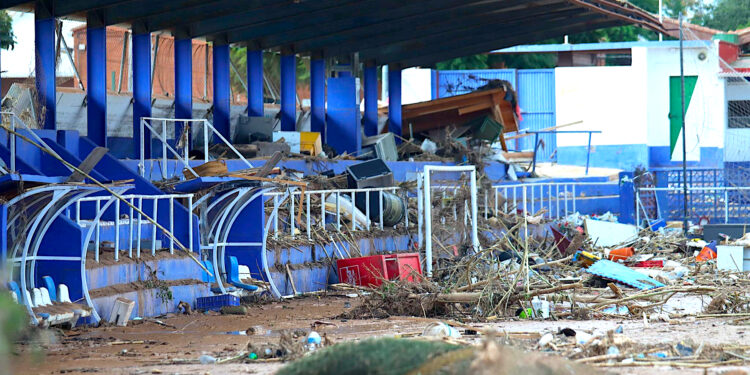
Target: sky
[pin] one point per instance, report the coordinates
(19, 62)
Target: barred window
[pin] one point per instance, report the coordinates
(739, 114)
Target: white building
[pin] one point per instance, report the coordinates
(635, 102)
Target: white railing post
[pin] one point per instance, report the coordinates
(276, 217)
(338, 211)
(190, 222)
(205, 141)
(171, 224)
(309, 225)
(117, 230)
(142, 165)
(726, 206)
(322, 211)
(380, 202)
(140, 222)
(574, 198)
(292, 224)
(12, 144)
(130, 229)
(354, 199)
(153, 233)
(164, 149)
(96, 240)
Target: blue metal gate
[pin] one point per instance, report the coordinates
(536, 95)
(457, 82)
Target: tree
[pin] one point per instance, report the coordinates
(7, 38)
(726, 15)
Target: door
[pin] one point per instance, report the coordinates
(675, 109)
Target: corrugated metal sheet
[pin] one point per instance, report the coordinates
(536, 96)
(457, 82)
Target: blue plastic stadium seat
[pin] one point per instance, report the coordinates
(234, 276)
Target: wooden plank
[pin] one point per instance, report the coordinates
(88, 164)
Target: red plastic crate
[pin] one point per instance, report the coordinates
(369, 271)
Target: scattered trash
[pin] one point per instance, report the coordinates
(206, 359)
(440, 329)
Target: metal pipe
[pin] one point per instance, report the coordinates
(380, 204)
(122, 60)
(171, 223)
(117, 231)
(309, 232)
(291, 214)
(153, 233)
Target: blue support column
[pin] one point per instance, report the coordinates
(343, 115)
(318, 97)
(371, 100)
(183, 82)
(44, 40)
(96, 82)
(394, 102)
(288, 92)
(254, 83)
(221, 90)
(141, 91)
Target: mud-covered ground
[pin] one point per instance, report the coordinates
(148, 347)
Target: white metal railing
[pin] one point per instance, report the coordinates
(208, 132)
(717, 195)
(14, 121)
(348, 196)
(134, 221)
(558, 198)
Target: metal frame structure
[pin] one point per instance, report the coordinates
(560, 196)
(427, 207)
(409, 34)
(207, 129)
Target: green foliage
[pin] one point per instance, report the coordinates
(12, 322)
(372, 356)
(7, 38)
(271, 66)
(726, 15)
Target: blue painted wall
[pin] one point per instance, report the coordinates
(626, 157)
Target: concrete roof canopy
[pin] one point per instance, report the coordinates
(405, 33)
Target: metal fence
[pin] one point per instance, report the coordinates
(716, 194)
(559, 199)
(133, 220)
(730, 204)
(180, 141)
(316, 216)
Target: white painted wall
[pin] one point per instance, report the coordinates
(609, 99)
(705, 118)
(630, 104)
(737, 143)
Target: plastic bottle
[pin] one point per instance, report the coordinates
(207, 359)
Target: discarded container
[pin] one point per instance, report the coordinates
(440, 329)
(650, 264)
(369, 271)
(621, 254)
(394, 208)
(216, 302)
(372, 173)
(313, 338)
(541, 308)
(707, 253)
(207, 359)
(310, 143)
